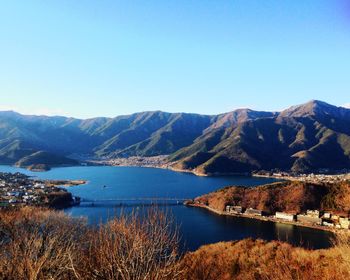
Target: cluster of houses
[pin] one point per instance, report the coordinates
(311, 217)
(323, 177)
(125, 160)
(19, 189)
(315, 217)
(239, 210)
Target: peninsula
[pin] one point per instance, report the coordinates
(318, 205)
(17, 190)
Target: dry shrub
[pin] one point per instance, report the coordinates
(134, 247)
(39, 244)
(45, 244)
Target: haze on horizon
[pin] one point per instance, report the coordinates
(87, 59)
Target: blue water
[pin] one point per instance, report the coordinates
(197, 226)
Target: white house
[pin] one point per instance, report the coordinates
(284, 216)
(344, 223)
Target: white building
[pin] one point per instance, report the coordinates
(253, 212)
(234, 209)
(284, 216)
(344, 223)
(313, 213)
(327, 224)
(327, 215)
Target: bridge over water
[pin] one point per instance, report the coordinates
(133, 202)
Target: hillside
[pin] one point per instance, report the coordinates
(256, 259)
(286, 196)
(48, 244)
(308, 138)
(312, 137)
(142, 134)
(44, 161)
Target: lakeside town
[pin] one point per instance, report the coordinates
(138, 161)
(17, 189)
(343, 175)
(312, 218)
(323, 175)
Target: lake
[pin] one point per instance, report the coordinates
(111, 190)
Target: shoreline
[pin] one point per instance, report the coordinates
(262, 218)
(160, 162)
(311, 178)
(167, 166)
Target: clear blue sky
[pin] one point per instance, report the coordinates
(110, 57)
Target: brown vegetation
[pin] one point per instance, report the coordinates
(286, 196)
(255, 260)
(39, 244)
(46, 244)
(132, 248)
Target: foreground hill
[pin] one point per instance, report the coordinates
(307, 138)
(256, 259)
(286, 196)
(41, 244)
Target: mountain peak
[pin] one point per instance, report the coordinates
(9, 113)
(239, 116)
(315, 108)
(319, 104)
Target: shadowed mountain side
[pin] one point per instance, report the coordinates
(306, 138)
(44, 161)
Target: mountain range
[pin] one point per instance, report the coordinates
(306, 138)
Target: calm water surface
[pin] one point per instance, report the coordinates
(197, 226)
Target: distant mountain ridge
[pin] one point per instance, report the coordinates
(142, 134)
(304, 138)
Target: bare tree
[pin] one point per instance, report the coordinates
(39, 244)
(134, 247)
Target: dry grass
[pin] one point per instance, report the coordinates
(342, 247)
(253, 260)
